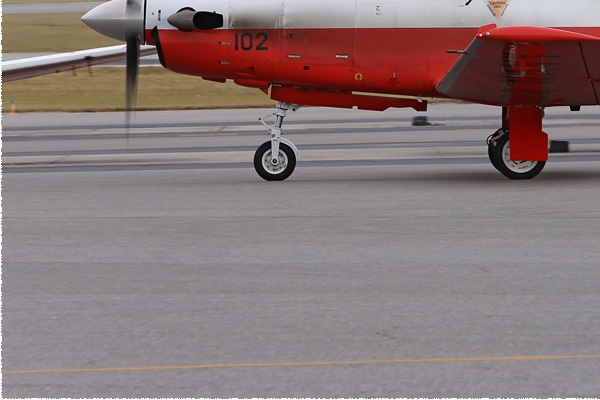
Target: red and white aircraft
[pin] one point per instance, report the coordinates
(520, 55)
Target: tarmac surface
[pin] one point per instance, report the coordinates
(395, 262)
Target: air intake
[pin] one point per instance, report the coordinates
(188, 19)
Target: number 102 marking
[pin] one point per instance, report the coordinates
(247, 41)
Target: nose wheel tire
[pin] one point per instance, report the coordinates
(271, 170)
(499, 154)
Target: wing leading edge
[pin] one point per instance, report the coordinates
(35, 66)
(527, 66)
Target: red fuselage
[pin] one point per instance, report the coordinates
(403, 61)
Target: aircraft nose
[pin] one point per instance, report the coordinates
(117, 19)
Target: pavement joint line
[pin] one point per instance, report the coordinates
(292, 126)
(305, 364)
(216, 157)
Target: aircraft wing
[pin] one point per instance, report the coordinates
(34, 66)
(527, 66)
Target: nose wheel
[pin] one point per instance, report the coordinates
(274, 168)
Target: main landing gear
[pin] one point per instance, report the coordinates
(275, 160)
(499, 155)
(529, 152)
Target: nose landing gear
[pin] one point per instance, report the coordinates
(275, 160)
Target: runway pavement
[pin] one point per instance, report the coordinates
(395, 262)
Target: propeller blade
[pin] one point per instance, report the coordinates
(132, 72)
(133, 40)
(122, 20)
(132, 68)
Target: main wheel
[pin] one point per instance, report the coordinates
(492, 156)
(274, 171)
(499, 152)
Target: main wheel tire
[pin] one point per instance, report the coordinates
(491, 147)
(274, 172)
(492, 156)
(500, 153)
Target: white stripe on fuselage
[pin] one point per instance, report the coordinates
(274, 14)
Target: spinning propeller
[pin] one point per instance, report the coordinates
(122, 20)
(133, 38)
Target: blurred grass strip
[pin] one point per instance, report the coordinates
(44, 1)
(49, 33)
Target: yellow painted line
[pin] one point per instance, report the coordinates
(301, 364)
